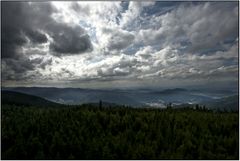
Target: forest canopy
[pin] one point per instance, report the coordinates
(90, 132)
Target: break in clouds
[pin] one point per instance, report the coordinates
(119, 44)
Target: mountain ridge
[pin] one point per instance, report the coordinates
(135, 98)
(18, 98)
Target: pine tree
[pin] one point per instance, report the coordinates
(100, 104)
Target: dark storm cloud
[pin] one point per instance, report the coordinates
(22, 19)
(23, 64)
(15, 69)
(23, 22)
(12, 39)
(36, 36)
(68, 40)
(19, 65)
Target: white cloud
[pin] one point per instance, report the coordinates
(115, 38)
(134, 10)
(204, 26)
(170, 47)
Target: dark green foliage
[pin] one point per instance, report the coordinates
(88, 132)
(100, 104)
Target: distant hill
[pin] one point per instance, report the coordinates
(156, 98)
(17, 98)
(225, 103)
(172, 91)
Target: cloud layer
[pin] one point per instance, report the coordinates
(98, 44)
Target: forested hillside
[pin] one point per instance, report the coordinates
(90, 132)
(17, 98)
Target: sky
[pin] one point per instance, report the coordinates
(116, 44)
